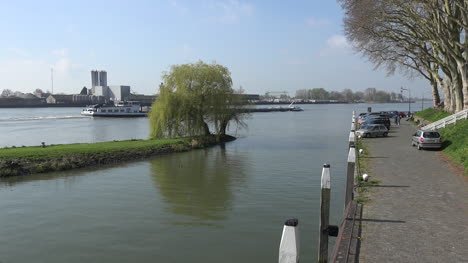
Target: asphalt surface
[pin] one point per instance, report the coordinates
(419, 210)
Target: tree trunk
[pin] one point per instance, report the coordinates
(449, 102)
(223, 128)
(462, 68)
(206, 129)
(446, 91)
(435, 93)
(456, 87)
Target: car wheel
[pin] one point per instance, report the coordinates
(385, 134)
(419, 146)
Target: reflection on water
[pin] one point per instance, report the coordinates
(198, 183)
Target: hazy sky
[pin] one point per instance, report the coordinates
(267, 45)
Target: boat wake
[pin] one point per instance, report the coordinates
(42, 118)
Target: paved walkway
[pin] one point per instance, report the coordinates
(419, 212)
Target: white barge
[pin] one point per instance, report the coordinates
(118, 110)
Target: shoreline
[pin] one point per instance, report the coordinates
(21, 161)
(256, 103)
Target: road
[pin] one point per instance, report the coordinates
(419, 210)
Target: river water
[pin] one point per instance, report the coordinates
(227, 203)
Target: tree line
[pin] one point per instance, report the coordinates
(425, 38)
(10, 93)
(347, 95)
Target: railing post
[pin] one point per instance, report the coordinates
(324, 214)
(350, 176)
(289, 246)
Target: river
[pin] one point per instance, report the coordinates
(226, 203)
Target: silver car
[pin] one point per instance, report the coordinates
(426, 139)
(372, 130)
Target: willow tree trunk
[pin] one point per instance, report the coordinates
(206, 129)
(223, 127)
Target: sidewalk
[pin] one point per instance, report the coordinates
(419, 211)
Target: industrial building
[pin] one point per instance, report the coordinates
(99, 87)
(98, 78)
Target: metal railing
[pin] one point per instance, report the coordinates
(452, 119)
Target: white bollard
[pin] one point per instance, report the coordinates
(361, 151)
(289, 247)
(352, 139)
(324, 214)
(349, 196)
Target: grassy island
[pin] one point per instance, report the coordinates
(16, 161)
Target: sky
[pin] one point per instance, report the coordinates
(267, 45)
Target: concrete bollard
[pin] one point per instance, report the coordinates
(361, 151)
(352, 139)
(353, 127)
(324, 214)
(289, 247)
(350, 176)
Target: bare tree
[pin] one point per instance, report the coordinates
(417, 37)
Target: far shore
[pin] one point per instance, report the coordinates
(19, 161)
(254, 103)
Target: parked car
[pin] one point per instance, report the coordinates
(372, 130)
(374, 115)
(378, 120)
(426, 139)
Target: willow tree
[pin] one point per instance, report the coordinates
(195, 99)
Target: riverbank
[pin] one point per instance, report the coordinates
(16, 161)
(411, 211)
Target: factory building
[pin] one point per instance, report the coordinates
(119, 93)
(100, 91)
(100, 88)
(98, 78)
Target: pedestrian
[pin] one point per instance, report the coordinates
(398, 120)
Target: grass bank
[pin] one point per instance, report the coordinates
(432, 115)
(16, 161)
(455, 143)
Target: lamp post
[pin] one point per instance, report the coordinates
(409, 98)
